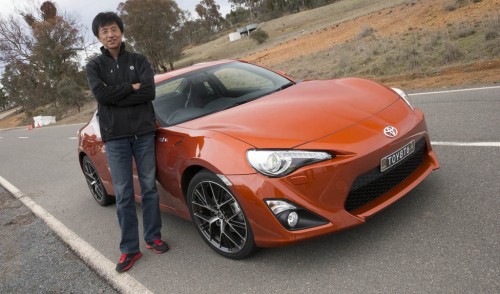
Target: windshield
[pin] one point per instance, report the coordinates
(213, 89)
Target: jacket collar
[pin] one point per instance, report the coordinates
(105, 51)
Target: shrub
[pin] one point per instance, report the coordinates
(491, 28)
(490, 35)
(259, 35)
(465, 30)
(365, 32)
(450, 6)
(451, 52)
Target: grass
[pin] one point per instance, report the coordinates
(418, 52)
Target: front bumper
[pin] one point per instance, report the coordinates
(323, 188)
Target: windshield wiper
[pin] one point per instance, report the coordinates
(259, 96)
(243, 102)
(283, 87)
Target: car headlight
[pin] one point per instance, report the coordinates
(278, 163)
(404, 96)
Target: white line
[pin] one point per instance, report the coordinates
(471, 144)
(73, 138)
(102, 265)
(453, 91)
(23, 137)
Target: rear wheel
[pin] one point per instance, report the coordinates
(218, 217)
(95, 184)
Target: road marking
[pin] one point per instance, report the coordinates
(468, 144)
(73, 138)
(23, 137)
(102, 265)
(453, 91)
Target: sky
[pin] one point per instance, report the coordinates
(86, 10)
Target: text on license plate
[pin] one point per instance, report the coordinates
(395, 157)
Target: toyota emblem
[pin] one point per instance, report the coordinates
(391, 131)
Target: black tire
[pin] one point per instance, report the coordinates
(218, 217)
(95, 184)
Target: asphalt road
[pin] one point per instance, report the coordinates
(442, 237)
(33, 258)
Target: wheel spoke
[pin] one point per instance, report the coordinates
(237, 233)
(206, 207)
(201, 196)
(237, 224)
(213, 194)
(227, 201)
(202, 217)
(232, 241)
(99, 192)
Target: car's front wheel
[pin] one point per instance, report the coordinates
(95, 184)
(219, 218)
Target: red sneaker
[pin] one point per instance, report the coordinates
(158, 246)
(127, 261)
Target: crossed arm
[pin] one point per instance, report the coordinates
(123, 94)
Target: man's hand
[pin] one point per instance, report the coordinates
(136, 86)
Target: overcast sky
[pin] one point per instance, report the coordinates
(87, 9)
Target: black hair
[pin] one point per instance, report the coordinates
(106, 18)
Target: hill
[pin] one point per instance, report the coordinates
(406, 43)
(411, 44)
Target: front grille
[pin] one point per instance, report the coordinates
(374, 183)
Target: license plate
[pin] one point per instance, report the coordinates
(395, 157)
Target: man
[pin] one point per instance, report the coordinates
(123, 84)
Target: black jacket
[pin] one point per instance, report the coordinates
(122, 112)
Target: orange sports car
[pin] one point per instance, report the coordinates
(256, 159)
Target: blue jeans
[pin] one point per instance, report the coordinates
(120, 153)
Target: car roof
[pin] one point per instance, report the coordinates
(177, 72)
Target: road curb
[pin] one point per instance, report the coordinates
(93, 258)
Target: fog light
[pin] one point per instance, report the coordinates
(278, 206)
(293, 219)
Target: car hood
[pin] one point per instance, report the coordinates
(299, 114)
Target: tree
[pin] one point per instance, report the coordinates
(20, 82)
(72, 93)
(38, 55)
(208, 11)
(237, 15)
(4, 99)
(251, 5)
(15, 41)
(150, 26)
(54, 50)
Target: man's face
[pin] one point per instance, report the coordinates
(110, 36)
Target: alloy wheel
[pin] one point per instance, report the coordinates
(94, 182)
(219, 217)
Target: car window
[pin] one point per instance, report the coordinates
(236, 78)
(212, 89)
(169, 87)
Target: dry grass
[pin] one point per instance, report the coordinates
(285, 28)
